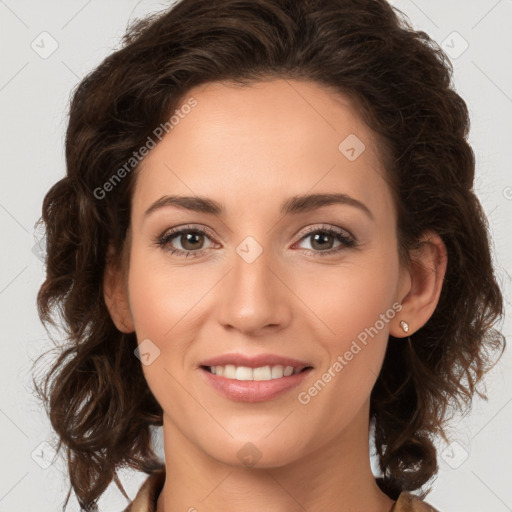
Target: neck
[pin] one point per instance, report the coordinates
(337, 477)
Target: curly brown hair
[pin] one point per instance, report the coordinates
(95, 393)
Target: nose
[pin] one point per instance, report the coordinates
(255, 296)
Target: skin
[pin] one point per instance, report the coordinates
(250, 149)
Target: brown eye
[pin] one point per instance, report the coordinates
(188, 242)
(322, 240)
(191, 241)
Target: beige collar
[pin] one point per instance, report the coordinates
(147, 497)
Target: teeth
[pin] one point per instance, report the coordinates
(263, 373)
(288, 371)
(243, 373)
(231, 371)
(277, 372)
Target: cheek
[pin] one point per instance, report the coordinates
(160, 297)
(157, 304)
(167, 304)
(353, 300)
(356, 304)
(354, 357)
(160, 302)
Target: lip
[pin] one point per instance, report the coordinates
(253, 390)
(253, 361)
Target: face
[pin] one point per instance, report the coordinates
(264, 280)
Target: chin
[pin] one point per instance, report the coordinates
(256, 453)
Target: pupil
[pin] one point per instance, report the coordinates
(317, 236)
(189, 238)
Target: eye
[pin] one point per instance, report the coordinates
(191, 239)
(323, 238)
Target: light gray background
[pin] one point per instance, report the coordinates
(475, 470)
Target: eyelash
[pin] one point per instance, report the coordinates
(163, 241)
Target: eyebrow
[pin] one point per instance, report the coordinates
(293, 205)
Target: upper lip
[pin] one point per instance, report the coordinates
(254, 361)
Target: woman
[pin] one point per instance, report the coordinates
(268, 243)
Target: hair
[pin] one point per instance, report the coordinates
(400, 81)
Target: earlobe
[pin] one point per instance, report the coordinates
(426, 275)
(116, 297)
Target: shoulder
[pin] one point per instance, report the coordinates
(408, 502)
(146, 498)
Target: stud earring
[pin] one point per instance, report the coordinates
(404, 326)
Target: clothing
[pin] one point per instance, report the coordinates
(147, 497)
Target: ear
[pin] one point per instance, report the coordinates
(115, 294)
(421, 285)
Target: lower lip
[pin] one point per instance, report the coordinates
(253, 390)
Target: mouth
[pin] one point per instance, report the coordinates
(258, 378)
(253, 378)
(261, 373)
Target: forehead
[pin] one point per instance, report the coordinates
(256, 142)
